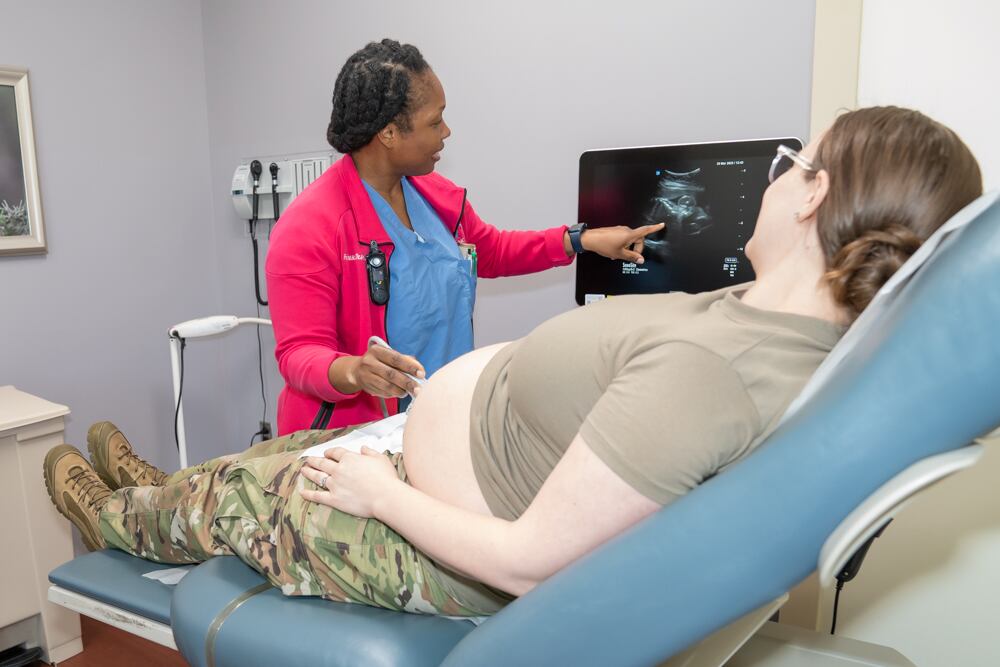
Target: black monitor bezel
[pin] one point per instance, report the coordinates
(665, 154)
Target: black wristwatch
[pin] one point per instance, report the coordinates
(575, 232)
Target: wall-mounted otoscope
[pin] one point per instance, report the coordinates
(273, 168)
(255, 171)
(256, 168)
(289, 177)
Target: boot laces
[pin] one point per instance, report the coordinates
(92, 489)
(145, 467)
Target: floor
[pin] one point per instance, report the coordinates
(105, 646)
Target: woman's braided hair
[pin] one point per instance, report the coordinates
(373, 89)
(895, 177)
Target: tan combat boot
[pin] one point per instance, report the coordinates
(77, 492)
(115, 460)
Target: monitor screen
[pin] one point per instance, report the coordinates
(708, 195)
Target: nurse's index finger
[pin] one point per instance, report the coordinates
(646, 230)
(395, 359)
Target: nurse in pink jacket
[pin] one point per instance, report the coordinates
(381, 245)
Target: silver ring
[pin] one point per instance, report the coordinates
(322, 481)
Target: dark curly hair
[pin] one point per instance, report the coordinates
(373, 89)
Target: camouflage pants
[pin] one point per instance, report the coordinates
(249, 505)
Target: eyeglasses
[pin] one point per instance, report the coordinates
(785, 160)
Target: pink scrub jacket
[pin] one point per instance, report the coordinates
(318, 287)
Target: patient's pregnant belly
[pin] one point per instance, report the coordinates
(436, 439)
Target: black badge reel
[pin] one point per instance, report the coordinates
(378, 275)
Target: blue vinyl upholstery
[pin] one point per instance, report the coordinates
(925, 381)
(271, 629)
(116, 578)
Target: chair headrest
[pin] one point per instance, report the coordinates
(893, 290)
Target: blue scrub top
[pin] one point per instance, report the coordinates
(432, 287)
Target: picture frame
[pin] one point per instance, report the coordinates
(22, 228)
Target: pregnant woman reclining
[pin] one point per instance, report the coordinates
(519, 458)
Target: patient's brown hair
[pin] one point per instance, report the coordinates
(895, 177)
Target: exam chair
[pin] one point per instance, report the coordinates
(912, 384)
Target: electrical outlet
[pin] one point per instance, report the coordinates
(265, 430)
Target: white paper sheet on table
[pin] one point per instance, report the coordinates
(169, 577)
(383, 435)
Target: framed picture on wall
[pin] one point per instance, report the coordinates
(22, 230)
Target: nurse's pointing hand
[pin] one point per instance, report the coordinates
(618, 242)
(379, 372)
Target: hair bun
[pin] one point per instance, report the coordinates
(861, 267)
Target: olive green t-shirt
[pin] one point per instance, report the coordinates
(667, 390)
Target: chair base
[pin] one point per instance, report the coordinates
(718, 647)
(777, 645)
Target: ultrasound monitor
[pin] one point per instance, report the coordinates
(708, 195)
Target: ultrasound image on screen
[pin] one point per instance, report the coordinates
(707, 196)
(675, 204)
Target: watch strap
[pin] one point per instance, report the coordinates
(575, 232)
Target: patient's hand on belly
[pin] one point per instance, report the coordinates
(582, 503)
(436, 440)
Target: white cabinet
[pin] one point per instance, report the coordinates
(34, 537)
